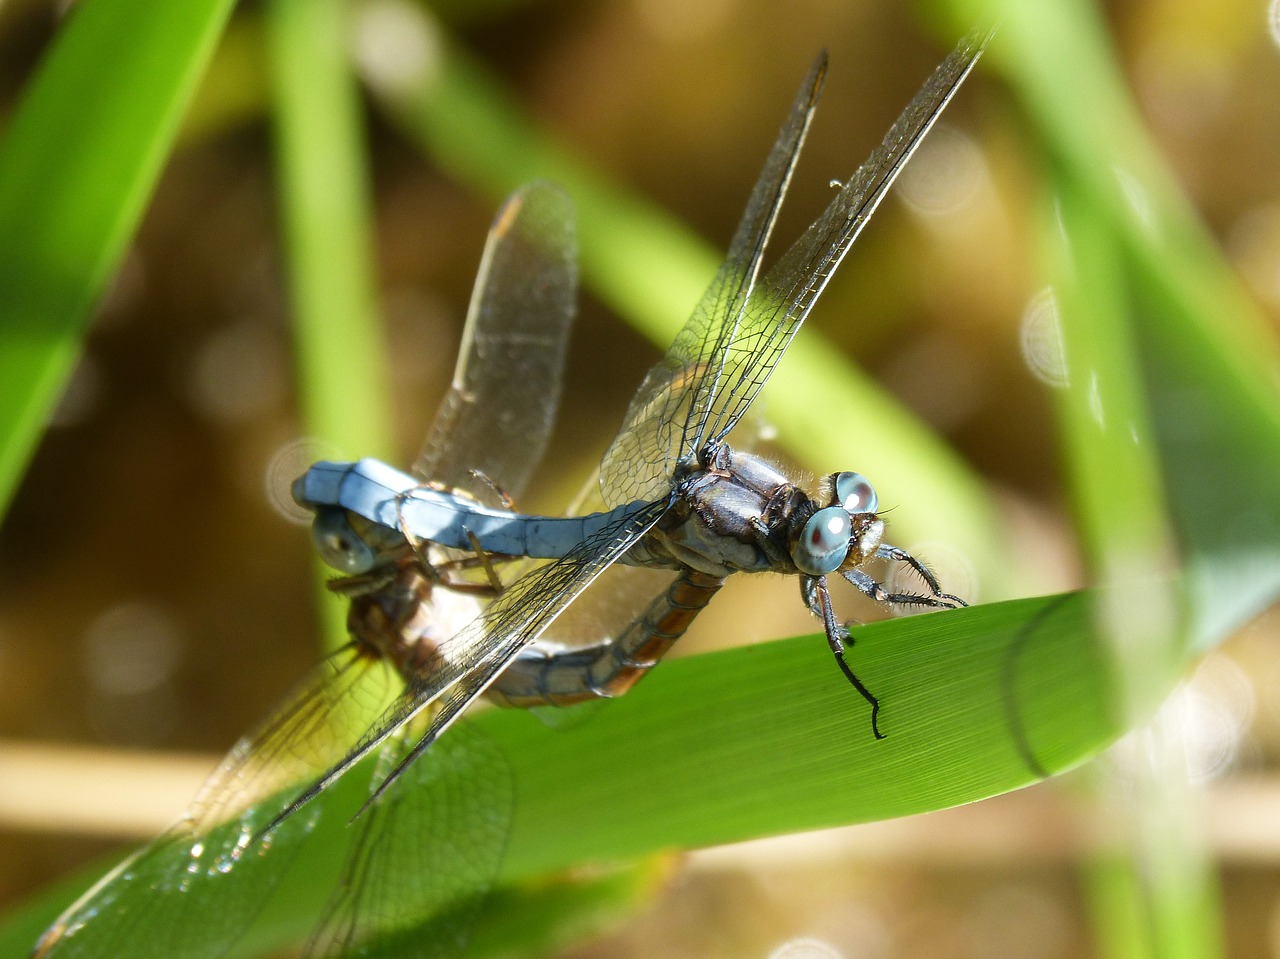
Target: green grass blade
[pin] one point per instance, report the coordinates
(1115, 473)
(1220, 443)
(770, 739)
(77, 163)
(1113, 458)
(324, 183)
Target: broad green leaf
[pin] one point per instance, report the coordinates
(770, 739)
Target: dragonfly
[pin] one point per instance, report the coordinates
(196, 889)
(679, 498)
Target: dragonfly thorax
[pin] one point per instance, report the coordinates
(737, 513)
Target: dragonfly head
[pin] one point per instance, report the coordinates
(843, 534)
(348, 542)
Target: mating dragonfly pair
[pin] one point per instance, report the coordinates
(419, 552)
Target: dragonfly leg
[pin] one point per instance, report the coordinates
(885, 551)
(809, 594)
(440, 572)
(865, 584)
(936, 599)
(489, 572)
(450, 572)
(837, 633)
(416, 544)
(504, 499)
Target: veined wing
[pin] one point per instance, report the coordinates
(726, 351)
(497, 416)
(430, 850)
(662, 422)
(192, 893)
(473, 657)
(783, 299)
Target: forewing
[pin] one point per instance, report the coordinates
(196, 889)
(498, 413)
(782, 300)
(664, 421)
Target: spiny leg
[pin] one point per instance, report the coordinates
(885, 551)
(819, 600)
(876, 591)
(490, 573)
(504, 499)
(418, 545)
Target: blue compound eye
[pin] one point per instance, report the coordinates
(824, 542)
(854, 492)
(339, 545)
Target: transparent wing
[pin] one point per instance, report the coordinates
(725, 353)
(195, 890)
(656, 431)
(497, 416)
(783, 299)
(471, 658)
(426, 856)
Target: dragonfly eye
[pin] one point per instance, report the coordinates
(854, 492)
(339, 545)
(823, 542)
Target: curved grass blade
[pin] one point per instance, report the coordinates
(768, 739)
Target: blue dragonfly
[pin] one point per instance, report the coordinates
(195, 890)
(679, 498)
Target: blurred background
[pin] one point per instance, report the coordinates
(156, 600)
